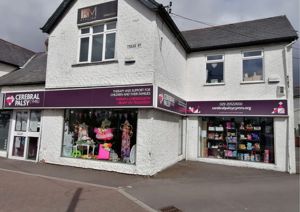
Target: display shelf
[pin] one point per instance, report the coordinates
(247, 150)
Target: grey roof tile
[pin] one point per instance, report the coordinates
(274, 29)
(13, 54)
(34, 72)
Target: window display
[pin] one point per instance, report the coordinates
(4, 126)
(100, 134)
(247, 139)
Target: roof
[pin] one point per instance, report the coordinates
(33, 73)
(64, 7)
(262, 31)
(13, 54)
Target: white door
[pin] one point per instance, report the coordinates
(25, 135)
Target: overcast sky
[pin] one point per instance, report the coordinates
(21, 19)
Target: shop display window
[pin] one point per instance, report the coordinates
(4, 127)
(246, 139)
(100, 134)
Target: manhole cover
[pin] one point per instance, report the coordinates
(170, 209)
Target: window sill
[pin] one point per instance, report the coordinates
(214, 84)
(253, 82)
(94, 63)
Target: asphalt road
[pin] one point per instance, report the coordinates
(188, 186)
(25, 193)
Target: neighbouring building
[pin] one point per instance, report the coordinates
(124, 90)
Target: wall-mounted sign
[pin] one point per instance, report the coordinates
(133, 96)
(24, 99)
(170, 102)
(98, 12)
(228, 108)
(134, 46)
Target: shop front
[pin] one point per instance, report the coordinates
(242, 133)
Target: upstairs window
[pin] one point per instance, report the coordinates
(97, 43)
(215, 69)
(253, 66)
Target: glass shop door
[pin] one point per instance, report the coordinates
(26, 135)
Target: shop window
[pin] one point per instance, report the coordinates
(215, 69)
(96, 134)
(180, 140)
(246, 139)
(253, 66)
(4, 127)
(97, 43)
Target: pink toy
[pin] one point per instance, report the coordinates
(103, 153)
(104, 134)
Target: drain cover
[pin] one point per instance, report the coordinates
(170, 209)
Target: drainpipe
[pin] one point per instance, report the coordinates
(291, 160)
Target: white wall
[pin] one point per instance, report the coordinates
(170, 60)
(135, 25)
(5, 69)
(165, 138)
(233, 88)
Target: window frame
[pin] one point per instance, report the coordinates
(90, 35)
(207, 61)
(261, 56)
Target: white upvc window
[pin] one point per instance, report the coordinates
(215, 69)
(97, 43)
(253, 66)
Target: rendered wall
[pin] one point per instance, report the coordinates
(135, 25)
(234, 89)
(165, 138)
(170, 60)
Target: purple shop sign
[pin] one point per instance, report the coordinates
(134, 96)
(170, 102)
(24, 100)
(228, 108)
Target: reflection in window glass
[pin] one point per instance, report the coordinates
(100, 134)
(215, 69)
(21, 121)
(84, 49)
(103, 38)
(99, 28)
(110, 46)
(112, 25)
(253, 69)
(4, 127)
(35, 119)
(253, 66)
(97, 48)
(18, 146)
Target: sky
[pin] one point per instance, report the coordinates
(21, 19)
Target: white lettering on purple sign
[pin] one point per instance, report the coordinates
(24, 100)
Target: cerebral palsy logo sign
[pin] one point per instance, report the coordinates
(10, 100)
(34, 99)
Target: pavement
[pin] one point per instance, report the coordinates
(188, 186)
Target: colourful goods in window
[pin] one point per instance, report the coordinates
(242, 127)
(249, 146)
(127, 132)
(257, 146)
(255, 136)
(249, 127)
